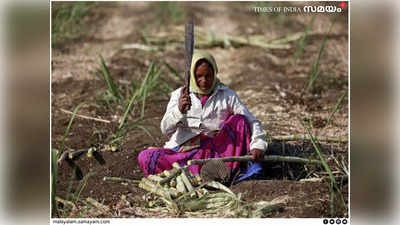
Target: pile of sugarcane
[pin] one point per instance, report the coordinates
(178, 191)
(173, 183)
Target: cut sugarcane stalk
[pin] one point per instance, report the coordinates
(72, 154)
(151, 188)
(170, 175)
(156, 189)
(66, 202)
(198, 179)
(166, 173)
(219, 186)
(174, 192)
(172, 183)
(306, 137)
(119, 179)
(195, 180)
(97, 204)
(151, 204)
(180, 186)
(192, 179)
(267, 158)
(176, 166)
(201, 192)
(193, 194)
(186, 180)
(198, 193)
(89, 154)
(112, 148)
(154, 178)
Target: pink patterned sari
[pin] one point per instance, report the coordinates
(233, 139)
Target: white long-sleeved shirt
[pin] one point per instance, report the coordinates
(222, 103)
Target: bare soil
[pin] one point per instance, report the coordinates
(265, 80)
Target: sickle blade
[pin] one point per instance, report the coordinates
(189, 45)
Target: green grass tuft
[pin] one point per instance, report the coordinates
(302, 41)
(315, 68)
(333, 187)
(82, 184)
(67, 20)
(112, 88)
(336, 106)
(69, 126)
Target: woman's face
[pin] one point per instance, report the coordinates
(204, 76)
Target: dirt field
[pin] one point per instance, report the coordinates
(266, 80)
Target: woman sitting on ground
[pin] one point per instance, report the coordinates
(216, 125)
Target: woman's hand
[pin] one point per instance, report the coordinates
(257, 154)
(188, 148)
(184, 101)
